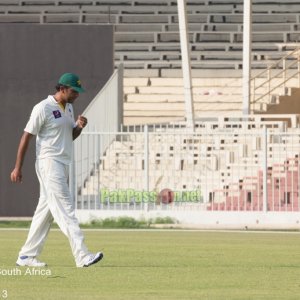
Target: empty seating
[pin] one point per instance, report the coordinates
(222, 160)
(213, 25)
(152, 99)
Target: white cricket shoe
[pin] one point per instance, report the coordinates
(92, 259)
(29, 261)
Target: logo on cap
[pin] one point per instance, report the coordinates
(71, 80)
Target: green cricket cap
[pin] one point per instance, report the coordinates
(71, 80)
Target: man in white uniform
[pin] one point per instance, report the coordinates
(53, 123)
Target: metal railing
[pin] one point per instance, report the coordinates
(224, 169)
(274, 81)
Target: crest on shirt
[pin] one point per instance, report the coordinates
(56, 114)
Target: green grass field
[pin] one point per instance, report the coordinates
(153, 264)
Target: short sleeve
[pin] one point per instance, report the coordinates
(36, 120)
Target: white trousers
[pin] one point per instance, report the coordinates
(54, 203)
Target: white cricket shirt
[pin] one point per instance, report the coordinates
(53, 128)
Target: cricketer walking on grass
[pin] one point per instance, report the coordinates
(52, 122)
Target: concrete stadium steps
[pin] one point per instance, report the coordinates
(287, 104)
(175, 94)
(220, 47)
(175, 101)
(141, 119)
(151, 99)
(169, 55)
(146, 32)
(225, 85)
(155, 100)
(161, 110)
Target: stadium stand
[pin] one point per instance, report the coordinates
(223, 157)
(147, 44)
(144, 28)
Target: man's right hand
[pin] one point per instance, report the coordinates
(16, 175)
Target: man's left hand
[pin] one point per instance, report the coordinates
(81, 121)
